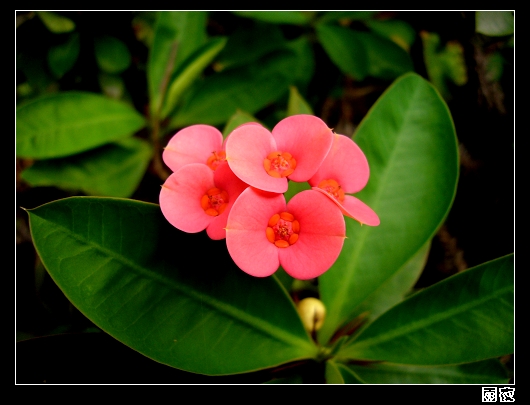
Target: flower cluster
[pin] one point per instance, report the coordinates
(234, 190)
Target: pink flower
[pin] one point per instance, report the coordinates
(305, 236)
(293, 150)
(195, 144)
(195, 198)
(345, 170)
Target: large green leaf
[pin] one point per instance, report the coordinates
(248, 88)
(113, 170)
(361, 54)
(483, 372)
(338, 373)
(464, 318)
(63, 124)
(177, 298)
(177, 35)
(409, 140)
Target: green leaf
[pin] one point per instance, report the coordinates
(346, 16)
(249, 88)
(177, 298)
(239, 118)
(66, 123)
(61, 58)
(482, 372)
(495, 23)
(112, 55)
(278, 17)
(177, 35)
(409, 140)
(297, 104)
(56, 23)
(191, 70)
(361, 54)
(113, 170)
(464, 318)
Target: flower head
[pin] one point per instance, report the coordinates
(345, 170)
(293, 150)
(195, 144)
(304, 236)
(195, 198)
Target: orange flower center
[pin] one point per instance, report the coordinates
(283, 230)
(333, 188)
(214, 202)
(279, 164)
(215, 159)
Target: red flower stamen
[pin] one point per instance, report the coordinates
(283, 230)
(279, 164)
(215, 159)
(333, 188)
(214, 202)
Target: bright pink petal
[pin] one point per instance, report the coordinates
(180, 197)
(246, 237)
(225, 179)
(246, 149)
(321, 237)
(346, 164)
(308, 139)
(193, 144)
(354, 208)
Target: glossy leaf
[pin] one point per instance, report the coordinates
(409, 140)
(482, 372)
(61, 58)
(177, 35)
(278, 17)
(113, 170)
(361, 54)
(63, 124)
(112, 55)
(177, 298)
(399, 31)
(190, 71)
(464, 318)
(249, 88)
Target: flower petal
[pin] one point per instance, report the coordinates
(246, 148)
(345, 163)
(193, 144)
(354, 208)
(246, 238)
(308, 139)
(181, 195)
(225, 179)
(321, 237)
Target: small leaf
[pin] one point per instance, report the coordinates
(465, 318)
(56, 23)
(177, 298)
(494, 23)
(297, 104)
(191, 70)
(63, 124)
(113, 170)
(338, 373)
(61, 58)
(112, 55)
